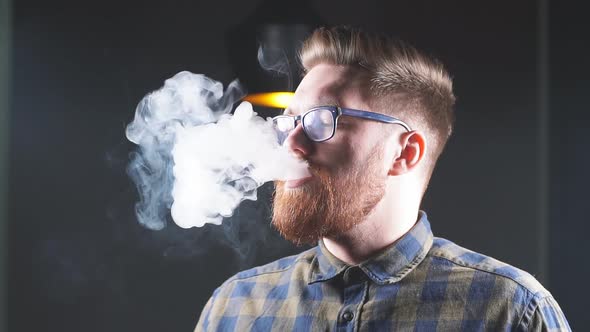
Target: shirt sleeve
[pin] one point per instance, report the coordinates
(203, 322)
(546, 315)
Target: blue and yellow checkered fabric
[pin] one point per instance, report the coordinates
(420, 283)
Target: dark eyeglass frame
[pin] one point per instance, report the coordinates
(336, 113)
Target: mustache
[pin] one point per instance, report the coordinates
(315, 170)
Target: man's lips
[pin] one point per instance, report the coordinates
(297, 183)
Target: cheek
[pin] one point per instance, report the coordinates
(346, 152)
(333, 153)
(343, 156)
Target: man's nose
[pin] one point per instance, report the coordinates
(298, 143)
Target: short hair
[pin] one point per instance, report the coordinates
(403, 81)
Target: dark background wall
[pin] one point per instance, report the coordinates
(570, 161)
(511, 183)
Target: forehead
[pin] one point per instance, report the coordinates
(328, 84)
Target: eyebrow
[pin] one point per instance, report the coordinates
(323, 101)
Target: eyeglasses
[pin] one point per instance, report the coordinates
(319, 123)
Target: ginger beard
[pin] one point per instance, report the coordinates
(331, 204)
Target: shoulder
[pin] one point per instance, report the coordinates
(501, 294)
(273, 273)
(276, 267)
(503, 274)
(243, 293)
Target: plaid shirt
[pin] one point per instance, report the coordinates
(419, 283)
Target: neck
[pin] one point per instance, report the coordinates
(388, 222)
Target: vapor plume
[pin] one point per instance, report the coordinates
(274, 60)
(196, 158)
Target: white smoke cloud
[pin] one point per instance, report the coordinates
(274, 59)
(196, 158)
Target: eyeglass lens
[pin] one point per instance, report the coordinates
(283, 125)
(318, 125)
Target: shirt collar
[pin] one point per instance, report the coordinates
(389, 266)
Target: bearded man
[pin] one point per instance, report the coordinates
(372, 116)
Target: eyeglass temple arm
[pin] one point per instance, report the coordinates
(374, 116)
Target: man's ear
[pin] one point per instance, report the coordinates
(413, 146)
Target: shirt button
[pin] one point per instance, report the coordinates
(347, 316)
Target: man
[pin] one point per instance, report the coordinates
(372, 116)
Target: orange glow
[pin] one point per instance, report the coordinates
(270, 99)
